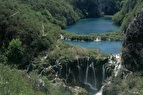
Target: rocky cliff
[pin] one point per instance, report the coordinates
(83, 72)
(132, 54)
(129, 79)
(96, 8)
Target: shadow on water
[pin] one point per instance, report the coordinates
(93, 25)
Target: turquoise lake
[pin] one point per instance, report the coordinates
(93, 25)
(96, 25)
(113, 47)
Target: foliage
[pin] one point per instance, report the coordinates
(15, 51)
(127, 13)
(19, 21)
(131, 84)
(132, 51)
(3, 59)
(12, 83)
(58, 12)
(69, 53)
(110, 36)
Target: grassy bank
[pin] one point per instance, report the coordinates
(110, 36)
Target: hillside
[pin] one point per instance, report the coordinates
(127, 13)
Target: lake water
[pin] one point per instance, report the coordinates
(104, 46)
(93, 25)
(96, 25)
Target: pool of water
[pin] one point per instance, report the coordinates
(93, 25)
(113, 47)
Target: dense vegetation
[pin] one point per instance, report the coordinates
(15, 82)
(26, 32)
(127, 13)
(110, 36)
(130, 84)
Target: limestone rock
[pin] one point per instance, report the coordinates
(132, 54)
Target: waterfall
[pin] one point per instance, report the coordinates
(100, 92)
(28, 68)
(41, 72)
(97, 40)
(117, 65)
(68, 70)
(90, 74)
(116, 70)
(103, 73)
(57, 67)
(90, 77)
(79, 70)
(57, 74)
(103, 78)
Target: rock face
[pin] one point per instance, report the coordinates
(108, 7)
(83, 72)
(89, 8)
(97, 8)
(132, 54)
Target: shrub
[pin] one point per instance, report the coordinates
(15, 51)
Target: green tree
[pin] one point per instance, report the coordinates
(15, 51)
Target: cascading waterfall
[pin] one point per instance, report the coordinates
(103, 78)
(79, 70)
(87, 72)
(90, 77)
(68, 70)
(57, 63)
(57, 67)
(41, 72)
(103, 73)
(116, 70)
(28, 68)
(117, 65)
